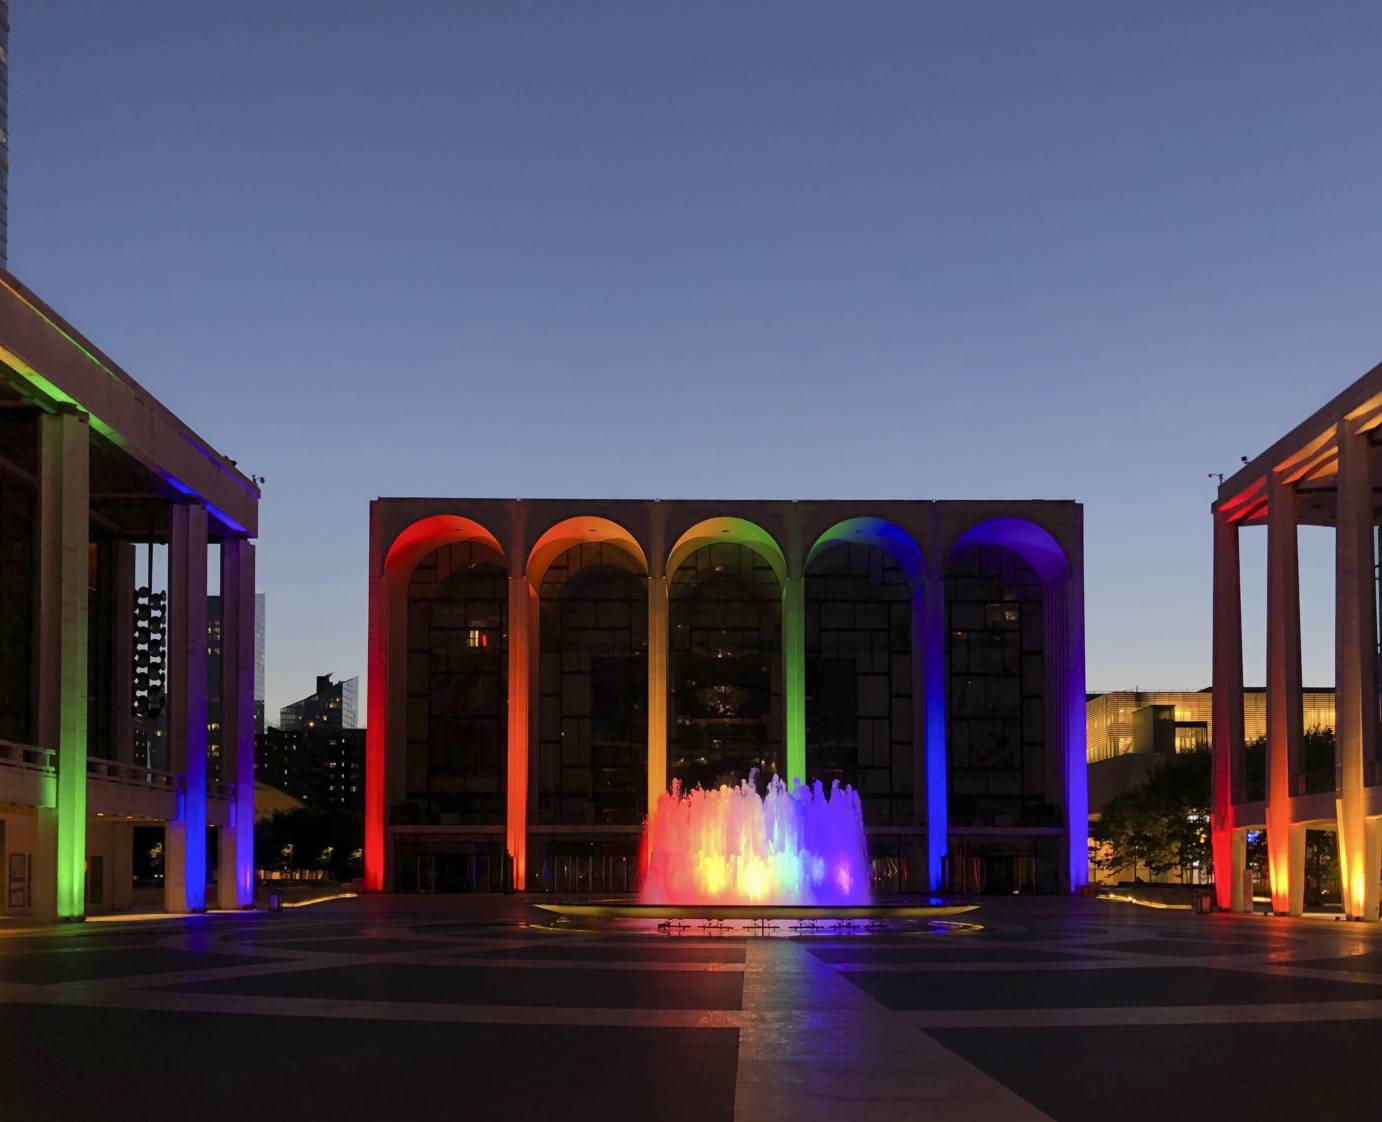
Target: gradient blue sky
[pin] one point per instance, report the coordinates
(1088, 251)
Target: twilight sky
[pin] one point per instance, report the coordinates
(1090, 251)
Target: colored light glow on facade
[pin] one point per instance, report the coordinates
(387, 609)
(729, 846)
(1065, 721)
(1063, 612)
(794, 676)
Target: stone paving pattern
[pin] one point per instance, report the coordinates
(399, 1007)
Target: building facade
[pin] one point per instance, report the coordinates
(1325, 472)
(322, 768)
(540, 670)
(1135, 722)
(213, 676)
(333, 705)
(92, 466)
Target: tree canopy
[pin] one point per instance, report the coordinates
(1163, 823)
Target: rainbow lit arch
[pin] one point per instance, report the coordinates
(898, 544)
(740, 531)
(879, 533)
(389, 598)
(752, 536)
(1064, 622)
(580, 530)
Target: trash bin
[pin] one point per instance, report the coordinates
(275, 901)
(1204, 901)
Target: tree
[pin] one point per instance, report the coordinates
(312, 839)
(1162, 824)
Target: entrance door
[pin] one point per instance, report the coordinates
(426, 874)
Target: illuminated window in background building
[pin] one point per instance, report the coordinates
(592, 689)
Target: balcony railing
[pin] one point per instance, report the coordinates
(28, 757)
(215, 789)
(133, 775)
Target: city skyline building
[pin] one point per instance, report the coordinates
(321, 767)
(332, 705)
(213, 673)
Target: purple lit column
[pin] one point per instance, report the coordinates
(928, 624)
(1065, 691)
(235, 881)
(184, 860)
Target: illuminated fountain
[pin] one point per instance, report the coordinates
(730, 846)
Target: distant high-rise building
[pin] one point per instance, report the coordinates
(213, 674)
(333, 706)
(324, 768)
(4, 132)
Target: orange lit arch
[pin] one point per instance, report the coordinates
(571, 532)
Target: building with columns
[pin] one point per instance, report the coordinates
(93, 468)
(541, 669)
(1324, 472)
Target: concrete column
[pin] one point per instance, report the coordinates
(63, 573)
(377, 722)
(1067, 764)
(122, 697)
(658, 617)
(184, 863)
(1055, 622)
(1227, 773)
(520, 630)
(1355, 670)
(235, 874)
(794, 676)
(928, 652)
(1285, 719)
(1240, 900)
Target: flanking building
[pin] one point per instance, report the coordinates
(1128, 732)
(1324, 472)
(93, 468)
(540, 670)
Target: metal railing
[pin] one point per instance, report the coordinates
(28, 757)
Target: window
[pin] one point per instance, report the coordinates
(457, 703)
(859, 721)
(592, 689)
(725, 675)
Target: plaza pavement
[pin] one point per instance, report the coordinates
(452, 1007)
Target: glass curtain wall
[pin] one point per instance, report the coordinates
(725, 668)
(457, 682)
(859, 678)
(593, 690)
(996, 726)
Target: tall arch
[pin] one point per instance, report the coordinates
(385, 753)
(1014, 691)
(590, 782)
(861, 599)
(726, 632)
